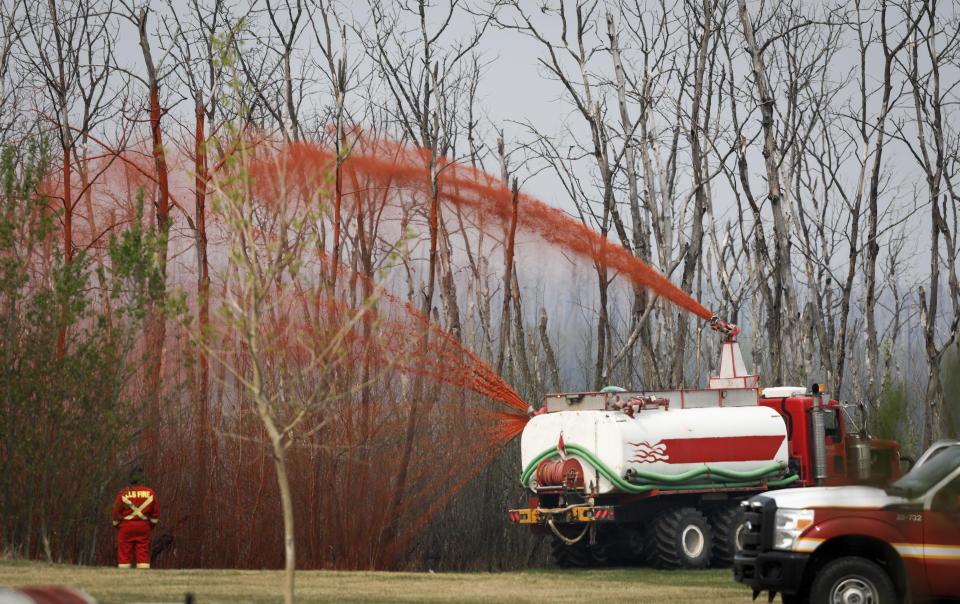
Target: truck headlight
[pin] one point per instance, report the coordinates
(788, 524)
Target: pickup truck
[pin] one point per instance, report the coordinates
(858, 544)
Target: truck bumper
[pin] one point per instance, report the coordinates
(569, 515)
(771, 570)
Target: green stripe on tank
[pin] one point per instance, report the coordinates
(647, 481)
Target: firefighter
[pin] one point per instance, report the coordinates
(135, 513)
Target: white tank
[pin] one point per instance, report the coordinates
(660, 448)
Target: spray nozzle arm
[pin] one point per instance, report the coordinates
(729, 329)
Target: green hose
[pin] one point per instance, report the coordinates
(651, 480)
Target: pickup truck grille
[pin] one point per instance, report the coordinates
(758, 516)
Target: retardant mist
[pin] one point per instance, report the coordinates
(466, 187)
(422, 415)
(391, 415)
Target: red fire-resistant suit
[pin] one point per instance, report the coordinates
(135, 513)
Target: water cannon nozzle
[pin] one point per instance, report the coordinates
(729, 329)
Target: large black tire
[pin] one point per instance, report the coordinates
(571, 556)
(634, 546)
(727, 526)
(853, 577)
(582, 555)
(679, 538)
(601, 554)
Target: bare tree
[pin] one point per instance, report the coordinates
(935, 147)
(266, 42)
(69, 48)
(636, 155)
(341, 75)
(12, 26)
(891, 50)
(288, 371)
(580, 89)
(199, 35)
(162, 205)
(425, 89)
(287, 25)
(852, 138)
(783, 295)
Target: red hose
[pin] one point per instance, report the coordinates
(567, 473)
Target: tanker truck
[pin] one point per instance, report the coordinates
(657, 477)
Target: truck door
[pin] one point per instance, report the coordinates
(941, 538)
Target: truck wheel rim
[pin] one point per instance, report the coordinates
(693, 541)
(854, 590)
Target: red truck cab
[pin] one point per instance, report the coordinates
(849, 455)
(859, 543)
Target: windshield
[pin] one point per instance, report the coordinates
(922, 477)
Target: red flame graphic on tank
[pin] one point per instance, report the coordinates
(561, 448)
(644, 452)
(716, 449)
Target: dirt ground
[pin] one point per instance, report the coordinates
(120, 586)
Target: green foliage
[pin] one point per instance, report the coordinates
(891, 409)
(25, 218)
(66, 413)
(889, 421)
(950, 374)
(135, 256)
(225, 47)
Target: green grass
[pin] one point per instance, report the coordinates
(113, 585)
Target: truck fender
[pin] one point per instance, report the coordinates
(871, 538)
(846, 526)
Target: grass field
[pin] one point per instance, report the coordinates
(112, 585)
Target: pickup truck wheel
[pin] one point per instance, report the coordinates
(852, 580)
(727, 526)
(680, 539)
